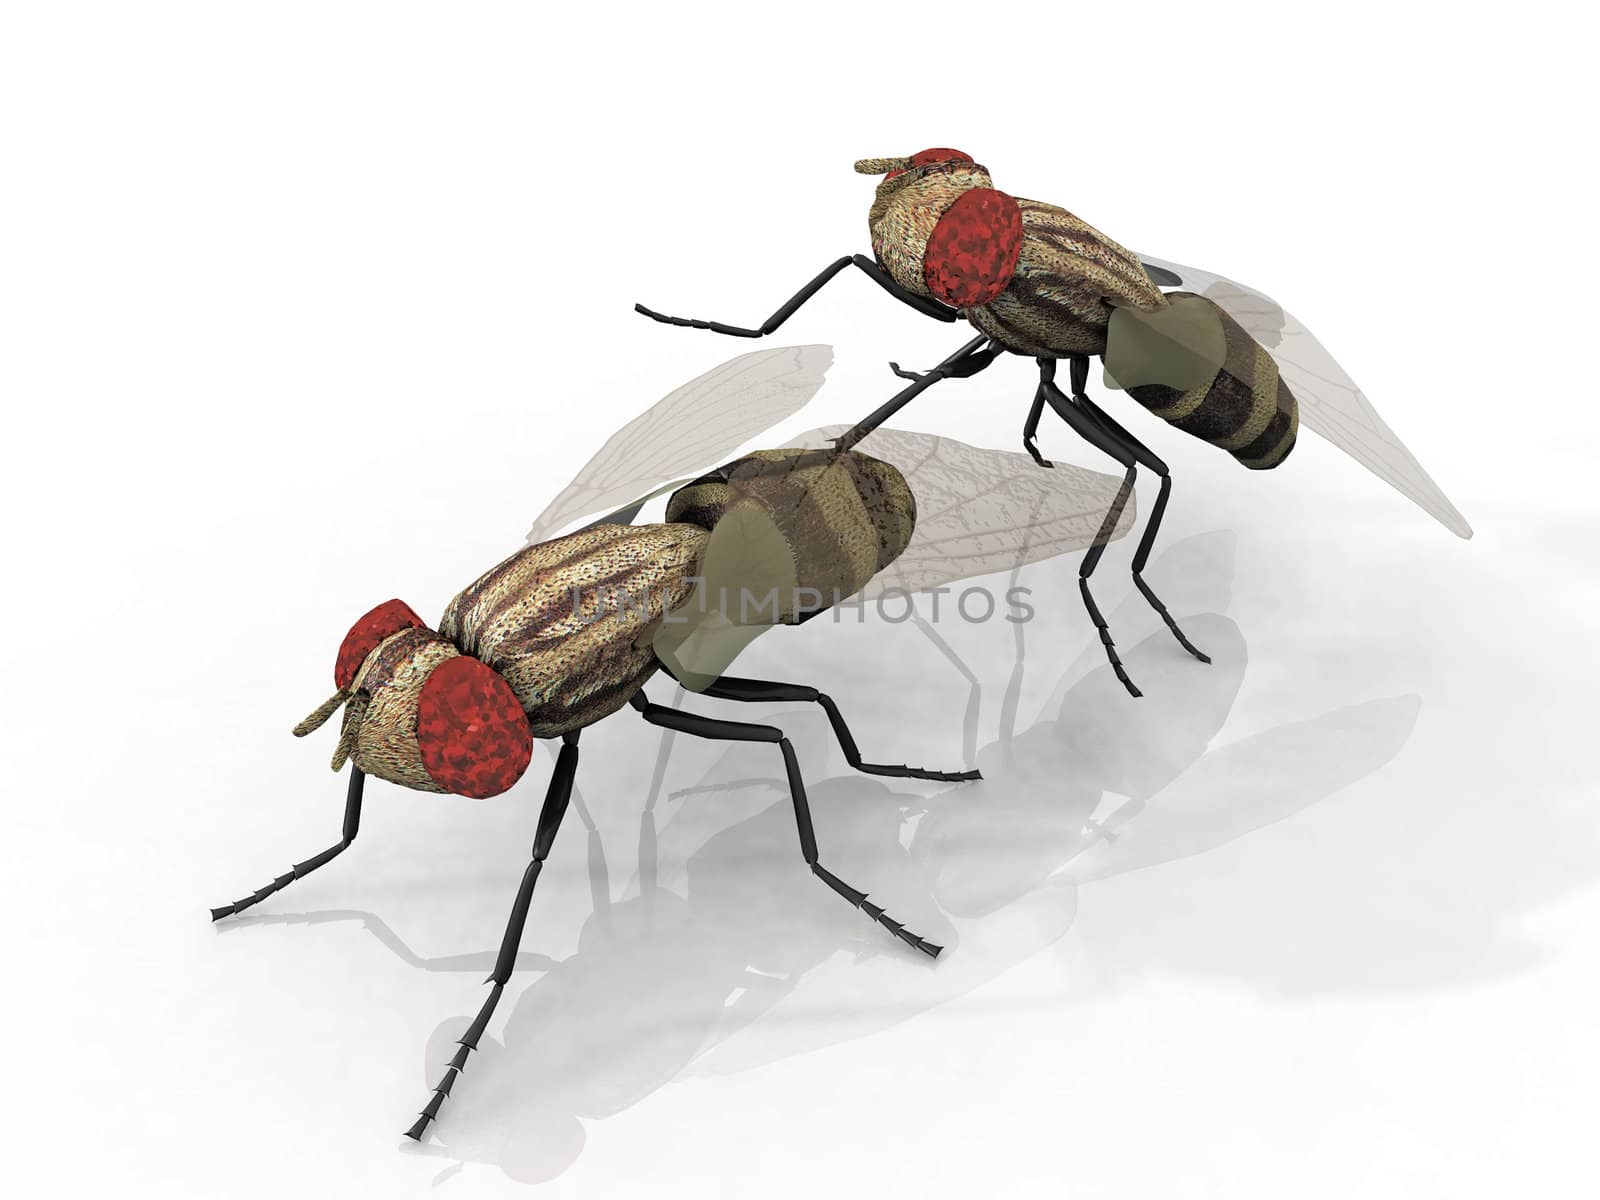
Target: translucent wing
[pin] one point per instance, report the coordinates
(786, 539)
(980, 511)
(690, 428)
(1330, 402)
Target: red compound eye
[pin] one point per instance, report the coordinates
(472, 732)
(936, 155)
(972, 252)
(388, 619)
(939, 154)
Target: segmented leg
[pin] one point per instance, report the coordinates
(964, 363)
(1143, 556)
(739, 731)
(1148, 459)
(1085, 569)
(1100, 431)
(555, 807)
(1030, 428)
(873, 271)
(352, 823)
(755, 691)
(1086, 428)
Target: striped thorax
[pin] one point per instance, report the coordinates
(568, 622)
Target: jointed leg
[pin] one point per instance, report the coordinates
(753, 691)
(739, 731)
(875, 272)
(1100, 431)
(965, 362)
(555, 807)
(1146, 458)
(1030, 427)
(1090, 431)
(352, 823)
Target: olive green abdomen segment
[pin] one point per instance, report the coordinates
(568, 622)
(843, 517)
(1068, 275)
(1246, 408)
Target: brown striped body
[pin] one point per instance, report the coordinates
(567, 622)
(1068, 279)
(570, 624)
(1245, 408)
(1068, 276)
(841, 518)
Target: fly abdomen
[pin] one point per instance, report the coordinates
(1244, 407)
(836, 518)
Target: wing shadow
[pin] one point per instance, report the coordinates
(725, 954)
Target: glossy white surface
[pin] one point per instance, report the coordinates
(319, 306)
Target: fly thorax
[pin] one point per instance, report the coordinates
(567, 622)
(906, 209)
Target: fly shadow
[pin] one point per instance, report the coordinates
(721, 954)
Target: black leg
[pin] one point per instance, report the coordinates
(555, 807)
(352, 823)
(1030, 428)
(755, 691)
(1086, 427)
(1100, 431)
(964, 364)
(925, 306)
(739, 731)
(1146, 458)
(968, 360)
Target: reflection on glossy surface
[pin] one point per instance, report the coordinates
(724, 954)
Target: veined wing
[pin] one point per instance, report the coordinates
(788, 528)
(689, 429)
(1330, 402)
(980, 511)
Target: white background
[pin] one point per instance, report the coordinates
(307, 306)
